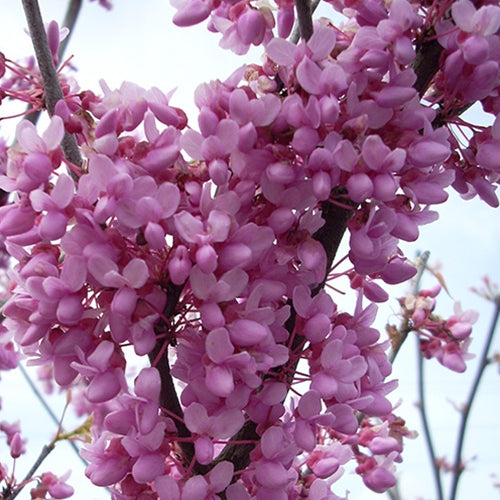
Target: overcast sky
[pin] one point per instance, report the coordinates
(137, 42)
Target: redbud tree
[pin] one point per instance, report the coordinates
(209, 250)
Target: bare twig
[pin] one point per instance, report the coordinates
(483, 363)
(436, 471)
(48, 409)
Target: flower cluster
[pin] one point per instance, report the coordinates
(206, 251)
(447, 340)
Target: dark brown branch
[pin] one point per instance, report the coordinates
(336, 215)
(168, 396)
(330, 236)
(426, 63)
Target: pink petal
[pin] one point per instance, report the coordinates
(189, 227)
(218, 345)
(309, 405)
(28, 138)
(281, 51)
(271, 475)
(219, 380)
(63, 191)
(322, 42)
(193, 12)
(103, 387)
(136, 272)
(70, 310)
(74, 272)
(220, 476)
(52, 226)
(54, 133)
(148, 467)
(309, 76)
(246, 332)
(169, 196)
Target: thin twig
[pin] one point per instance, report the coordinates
(425, 423)
(49, 410)
(406, 326)
(483, 363)
(46, 450)
(52, 89)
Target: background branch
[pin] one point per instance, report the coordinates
(422, 408)
(458, 467)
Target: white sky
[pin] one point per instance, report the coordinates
(137, 42)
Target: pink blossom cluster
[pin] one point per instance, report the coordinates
(205, 251)
(447, 340)
(47, 483)
(470, 72)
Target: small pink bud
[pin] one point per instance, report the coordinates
(285, 21)
(204, 450)
(180, 265)
(16, 446)
(70, 310)
(360, 187)
(193, 12)
(206, 258)
(38, 166)
(379, 479)
(245, 332)
(251, 27)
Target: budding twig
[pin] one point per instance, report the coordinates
(51, 86)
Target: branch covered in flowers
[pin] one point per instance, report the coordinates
(207, 250)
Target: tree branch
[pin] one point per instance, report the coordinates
(158, 357)
(69, 22)
(483, 363)
(51, 86)
(304, 17)
(426, 63)
(46, 450)
(295, 37)
(425, 423)
(330, 235)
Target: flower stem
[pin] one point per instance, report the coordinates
(483, 363)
